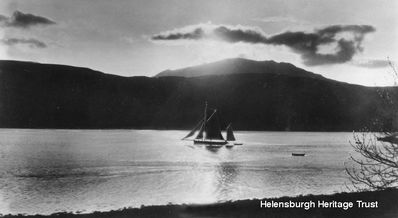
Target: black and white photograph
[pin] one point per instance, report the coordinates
(198, 108)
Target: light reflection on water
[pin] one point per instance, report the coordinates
(47, 171)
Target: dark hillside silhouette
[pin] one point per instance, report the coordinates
(36, 95)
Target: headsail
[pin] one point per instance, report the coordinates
(230, 133)
(194, 130)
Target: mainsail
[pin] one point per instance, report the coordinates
(230, 133)
(212, 129)
(200, 134)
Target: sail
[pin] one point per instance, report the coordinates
(212, 128)
(203, 127)
(200, 124)
(200, 134)
(230, 133)
(209, 127)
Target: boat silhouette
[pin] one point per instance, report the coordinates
(209, 131)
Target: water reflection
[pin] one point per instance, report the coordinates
(227, 173)
(47, 171)
(212, 149)
(219, 180)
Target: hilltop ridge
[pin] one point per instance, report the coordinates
(240, 66)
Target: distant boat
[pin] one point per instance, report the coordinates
(298, 154)
(209, 131)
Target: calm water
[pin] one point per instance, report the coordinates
(47, 171)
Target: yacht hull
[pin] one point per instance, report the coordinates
(210, 142)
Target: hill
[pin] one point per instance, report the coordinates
(34, 95)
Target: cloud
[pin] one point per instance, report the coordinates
(239, 35)
(197, 33)
(32, 43)
(22, 20)
(308, 44)
(210, 31)
(346, 40)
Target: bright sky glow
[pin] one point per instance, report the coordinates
(114, 36)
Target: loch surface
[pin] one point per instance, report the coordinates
(48, 171)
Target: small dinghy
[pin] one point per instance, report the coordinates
(298, 154)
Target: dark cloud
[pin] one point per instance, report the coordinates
(22, 20)
(33, 43)
(308, 44)
(346, 39)
(359, 30)
(239, 35)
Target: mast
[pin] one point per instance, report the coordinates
(205, 119)
(203, 132)
(209, 127)
(200, 134)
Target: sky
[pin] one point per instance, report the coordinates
(350, 41)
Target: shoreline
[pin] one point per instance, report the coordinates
(380, 204)
(177, 129)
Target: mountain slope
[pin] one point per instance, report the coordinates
(36, 95)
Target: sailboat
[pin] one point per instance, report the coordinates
(209, 131)
(231, 137)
